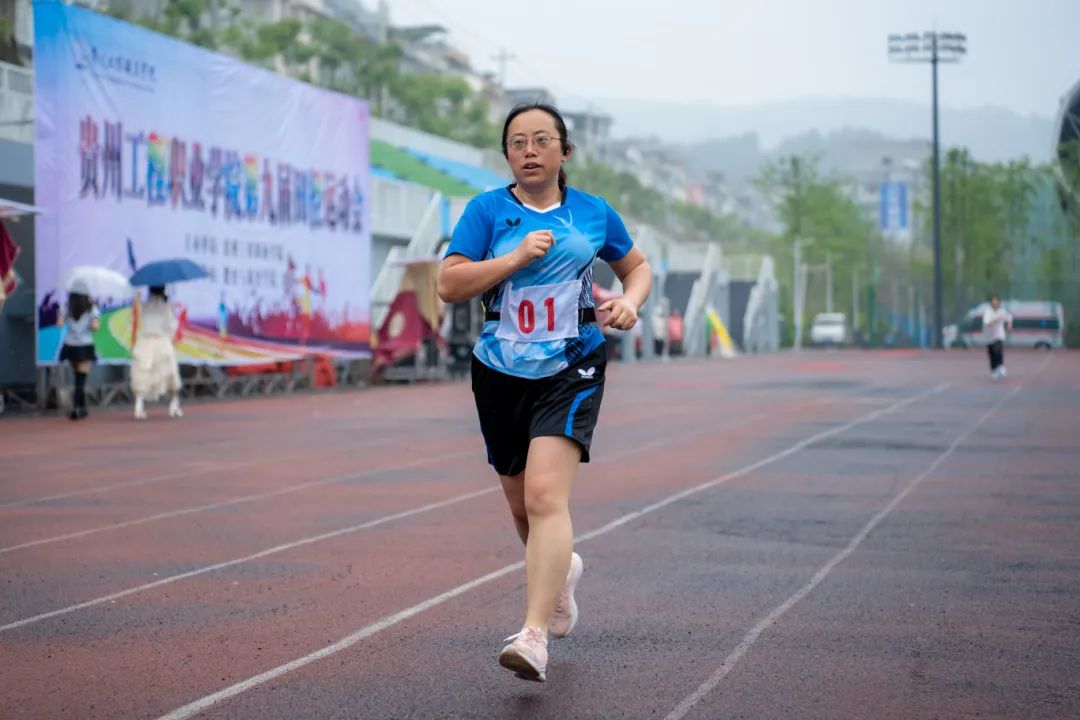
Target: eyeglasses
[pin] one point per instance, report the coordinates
(541, 142)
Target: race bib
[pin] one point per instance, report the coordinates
(538, 313)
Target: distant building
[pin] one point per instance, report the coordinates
(590, 130)
(888, 179)
(529, 95)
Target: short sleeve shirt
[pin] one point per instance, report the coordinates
(585, 227)
(78, 332)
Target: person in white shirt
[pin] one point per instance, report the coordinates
(154, 370)
(81, 320)
(996, 323)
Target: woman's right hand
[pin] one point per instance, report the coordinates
(535, 245)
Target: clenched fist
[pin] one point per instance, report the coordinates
(622, 315)
(534, 245)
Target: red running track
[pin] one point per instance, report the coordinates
(821, 535)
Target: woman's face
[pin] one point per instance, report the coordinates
(533, 149)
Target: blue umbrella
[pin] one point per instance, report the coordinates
(165, 272)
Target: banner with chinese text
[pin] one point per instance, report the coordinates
(148, 148)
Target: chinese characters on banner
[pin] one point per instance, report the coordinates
(148, 167)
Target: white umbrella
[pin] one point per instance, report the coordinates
(98, 281)
(12, 209)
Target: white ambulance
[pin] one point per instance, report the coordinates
(1036, 324)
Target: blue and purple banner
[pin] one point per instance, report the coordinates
(149, 148)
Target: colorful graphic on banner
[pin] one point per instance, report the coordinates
(148, 148)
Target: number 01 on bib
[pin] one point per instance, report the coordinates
(539, 313)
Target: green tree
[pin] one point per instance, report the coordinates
(985, 216)
(278, 45)
(444, 106)
(337, 50)
(8, 51)
(623, 190)
(379, 69)
(1067, 166)
(817, 211)
(187, 20)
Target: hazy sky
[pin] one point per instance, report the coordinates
(1022, 54)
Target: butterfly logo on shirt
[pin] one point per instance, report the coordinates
(513, 223)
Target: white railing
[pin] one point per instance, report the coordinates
(457, 207)
(16, 103)
(423, 244)
(761, 326)
(397, 207)
(386, 284)
(694, 319)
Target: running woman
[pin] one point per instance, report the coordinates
(538, 366)
(997, 321)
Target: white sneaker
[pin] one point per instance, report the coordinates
(527, 655)
(565, 616)
(174, 408)
(140, 409)
(1002, 372)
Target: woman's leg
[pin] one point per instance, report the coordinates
(174, 405)
(996, 351)
(549, 474)
(514, 489)
(174, 387)
(82, 369)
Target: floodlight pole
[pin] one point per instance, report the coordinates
(939, 327)
(955, 47)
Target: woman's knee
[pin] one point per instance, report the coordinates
(545, 500)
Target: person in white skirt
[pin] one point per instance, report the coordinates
(154, 370)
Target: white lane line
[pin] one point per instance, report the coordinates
(254, 498)
(248, 498)
(239, 500)
(158, 478)
(185, 474)
(126, 483)
(196, 707)
(769, 620)
(342, 531)
(343, 644)
(247, 558)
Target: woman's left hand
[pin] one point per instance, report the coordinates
(622, 315)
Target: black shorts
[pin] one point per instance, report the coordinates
(515, 410)
(77, 353)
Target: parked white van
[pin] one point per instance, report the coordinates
(829, 329)
(1036, 324)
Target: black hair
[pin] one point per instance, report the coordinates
(159, 291)
(995, 296)
(78, 305)
(560, 127)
